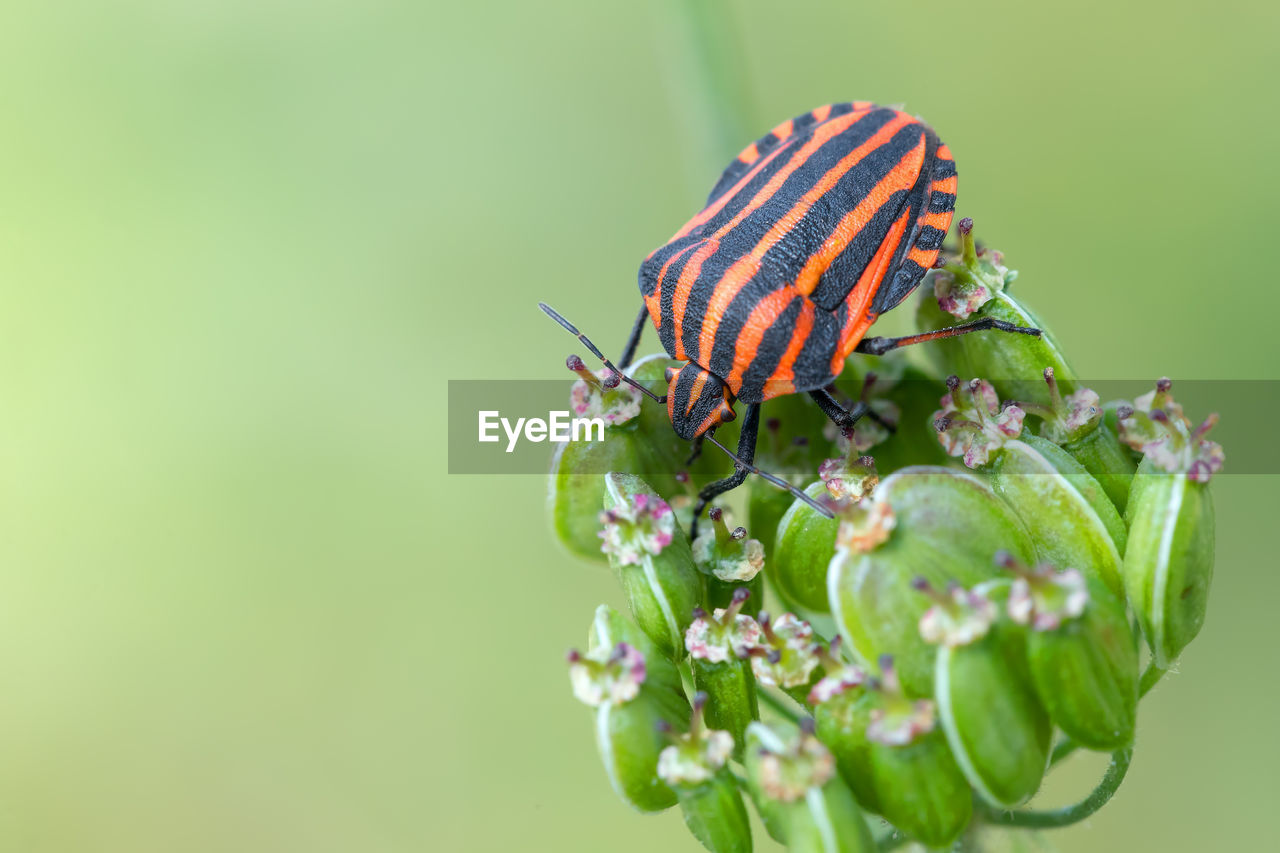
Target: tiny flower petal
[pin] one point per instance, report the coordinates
(840, 681)
(960, 617)
(1156, 426)
(607, 676)
(786, 657)
(866, 526)
(615, 405)
(718, 638)
(971, 423)
(695, 758)
(638, 526)
(1044, 598)
(804, 764)
(901, 723)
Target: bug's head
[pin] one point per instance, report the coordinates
(696, 401)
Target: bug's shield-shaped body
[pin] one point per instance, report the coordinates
(814, 230)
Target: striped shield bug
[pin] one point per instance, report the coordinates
(811, 233)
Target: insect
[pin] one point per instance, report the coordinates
(812, 232)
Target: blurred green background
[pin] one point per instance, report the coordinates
(243, 245)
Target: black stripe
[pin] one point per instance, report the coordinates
(737, 168)
(840, 277)
(667, 329)
(799, 181)
(906, 274)
(683, 384)
(943, 169)
(838, 110)
(930, 238)
(940, 202)
(893, 292)
(818, 224)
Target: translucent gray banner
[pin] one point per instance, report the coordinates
(504, 426)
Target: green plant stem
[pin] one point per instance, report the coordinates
(781, 706)
(1150, 678)
(719, 75)
(1055, 818)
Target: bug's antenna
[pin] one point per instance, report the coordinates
(772, 478)
(573, 330)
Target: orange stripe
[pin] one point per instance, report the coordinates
(900, 177)
(695, 391)
(746, 267)
(758, 322)
(859, 298)
(715, 207)
(749, 154)
(783, 379)
(923, 257)
(945, 185)
(784, 130)
(937, 219)
(680, 299)
(723, 199)
(654, 300)
(821, 113)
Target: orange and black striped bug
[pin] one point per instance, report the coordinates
(811, 233)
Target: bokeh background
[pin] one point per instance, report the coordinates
(243, 245)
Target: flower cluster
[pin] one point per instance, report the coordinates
(931, 624)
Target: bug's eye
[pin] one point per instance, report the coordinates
(726, 413)
(670, 373)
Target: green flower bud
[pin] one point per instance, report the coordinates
(804, 804)
(694, 767)
(574, 499)
(784, 449)
(1168, 566)
(1082, 656)
(841, 713)
(718, 645)
(730, 561)
(1076, 423)
(935, 523)
(1070, 517)
(975, 286)
(806, 540)
(609, 628)
(918, 784)
(629, 713)
(998, 731)
(651, 555)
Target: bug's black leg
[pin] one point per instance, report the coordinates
(633, 341)
(880, 346)
(695, 452)
(746, 452)
(845, 418)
